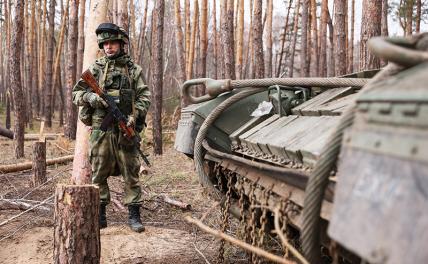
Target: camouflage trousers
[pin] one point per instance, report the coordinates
(109, 155)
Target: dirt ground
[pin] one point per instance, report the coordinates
(168, 238)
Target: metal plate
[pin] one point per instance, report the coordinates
(380, 208)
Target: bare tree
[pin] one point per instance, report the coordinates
(259, 69)
(70, 128)
(340, 33)
(304, 66)
(314, 40)
(142, 38)
(269, 41)
(227, 38)
(180, 49)
(15, 79)
(157, 76)
(204, 40)
(122, 9)
(418, 15)
(240, 39)
(351, 48)
(294, 39)
(215, 36)
(331, 69)
(409, 16)
(283, 37)
(370, 27)
(195, 27)
(49, 59)
(81, 38)
(384, 26)
(323, 39)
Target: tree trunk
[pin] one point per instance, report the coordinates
(304, 66)
(7, 55)
(39, 163)
(15, 79)
(227, 38)
(28, 64)
(70, 128)
(384, 26)
(49, 65)
(418, 14)
(204, 41)
(57, 69)
(314, 48)
(323, 39)
(294, 40)
(409, 16)
(34, 53)
(81, 167)
(269, 41)
(142, 38)
(180, 49)
(195, 23)
(249, 57)
(239, 39)
(187, 33)
(123, 14)
(42, 59)
(331, 69)
(351, 48)
(215, 35)
(77, 233)
(370, 27)
(283, 37)
(81, 38)
(258, 41)
(157, 77)
(132, 32)
(340, 33)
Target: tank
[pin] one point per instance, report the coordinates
(340, 163)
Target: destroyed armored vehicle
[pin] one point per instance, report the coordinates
(341, 161)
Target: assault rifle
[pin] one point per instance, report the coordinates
(112, 108)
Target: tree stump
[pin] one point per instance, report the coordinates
(77, 233)
(39, 163)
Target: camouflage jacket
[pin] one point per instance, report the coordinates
(110, 74)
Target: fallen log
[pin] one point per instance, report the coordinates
(6, 133)
(179, 204)
(29, 165)
(29, 137)
(7, 204)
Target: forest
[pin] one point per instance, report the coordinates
(45, 45)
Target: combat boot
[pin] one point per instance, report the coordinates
(103, 218)
(134, 220)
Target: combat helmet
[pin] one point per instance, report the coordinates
(110, 31)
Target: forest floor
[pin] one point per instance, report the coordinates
(168, 238)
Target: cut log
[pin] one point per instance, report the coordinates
(6, 133)
(77, 233)
(28, 165)
(30, 137)
(39, 163)
(7, 204)
(179, 204)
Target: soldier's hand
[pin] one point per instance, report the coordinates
(94, 100)
(131, 121)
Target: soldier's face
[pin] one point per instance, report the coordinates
(111, 47)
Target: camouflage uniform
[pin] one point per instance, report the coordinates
(110, 152)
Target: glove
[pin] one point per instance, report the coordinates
(131, 121)
(94, 100)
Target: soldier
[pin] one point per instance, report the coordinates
(111, 153)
